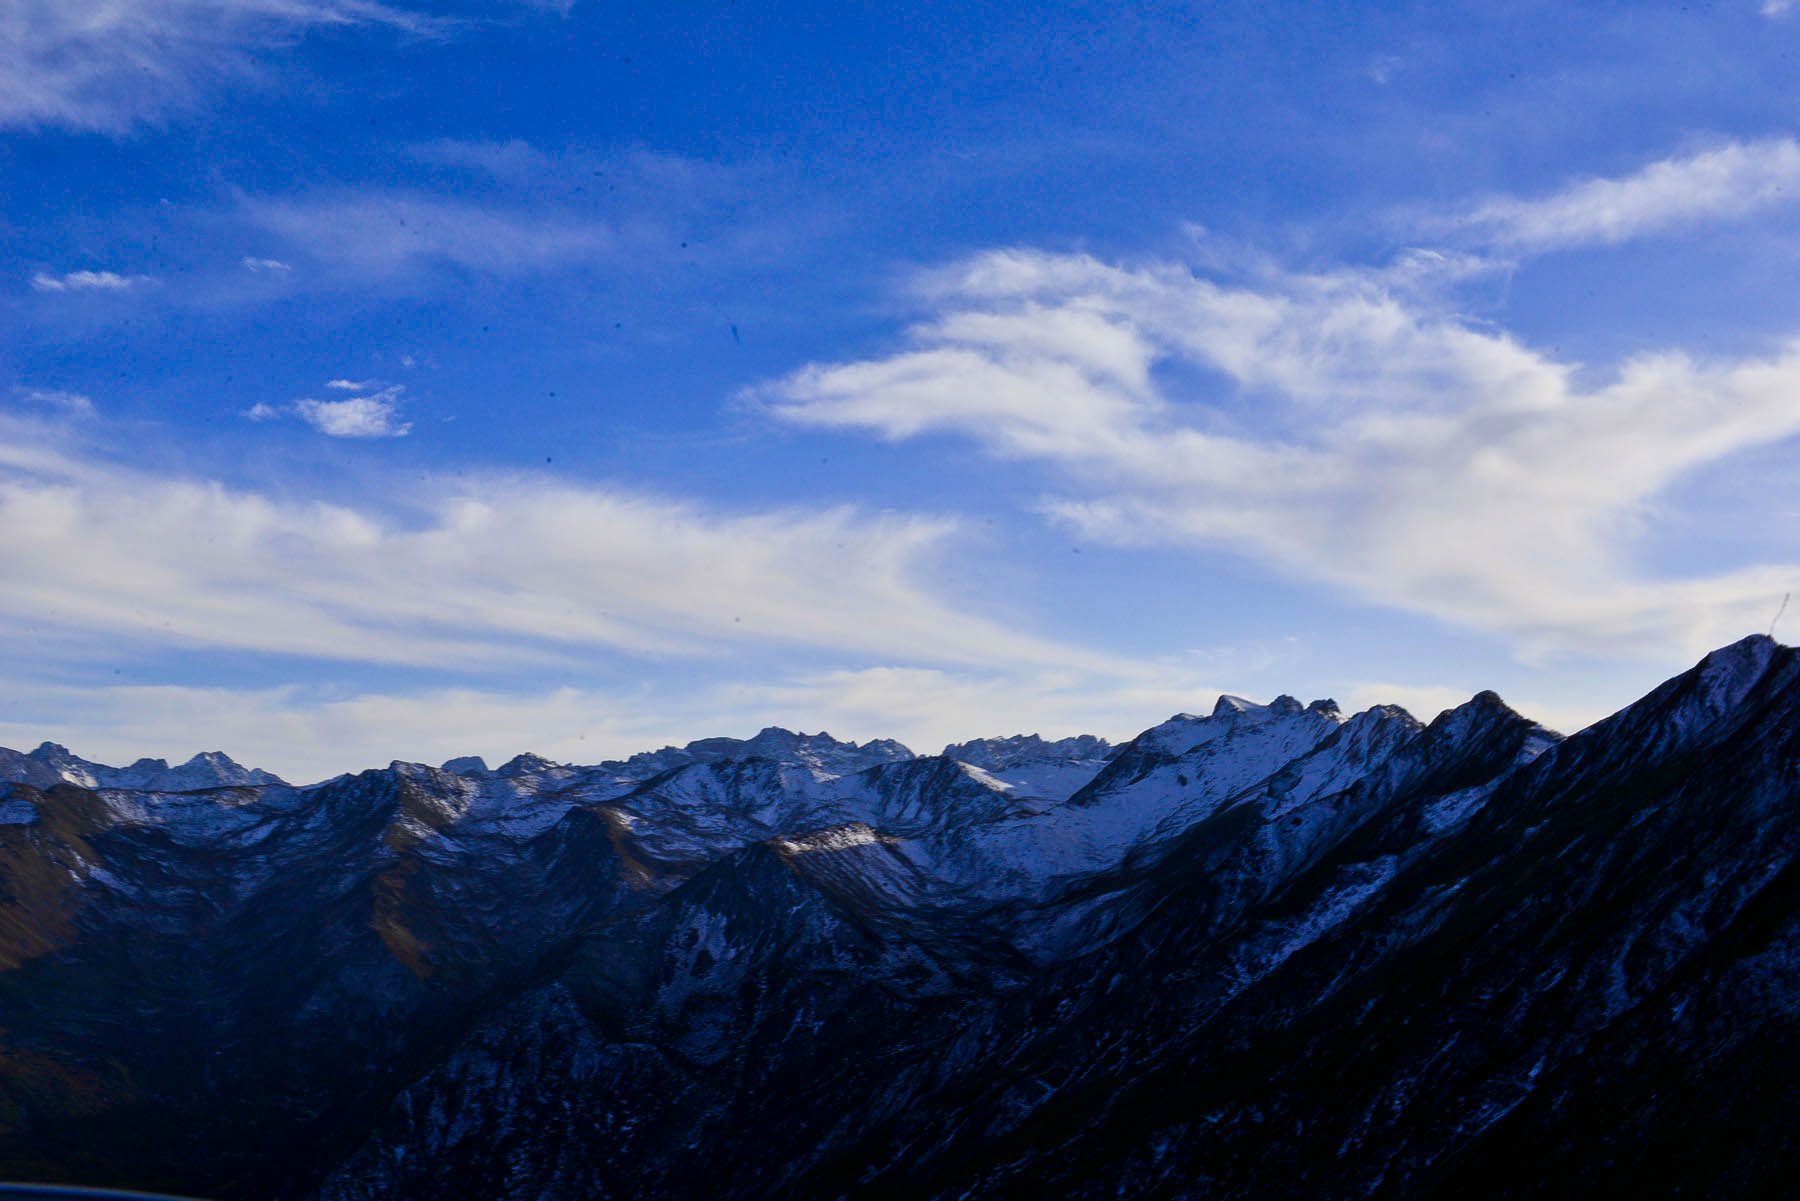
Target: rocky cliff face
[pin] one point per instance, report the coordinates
(1268, 952)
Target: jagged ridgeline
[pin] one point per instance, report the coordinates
(1270, 952)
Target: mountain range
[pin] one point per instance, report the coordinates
(1269, 952)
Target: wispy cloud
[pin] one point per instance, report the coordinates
(74, 404)
(109, 66)
(1359, 436)
(530, 211)
(499, 573)
(87, 281)
(265, 266)
(1729, 182)
(389, 233)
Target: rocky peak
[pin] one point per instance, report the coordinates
(466, 765)
(526, 764)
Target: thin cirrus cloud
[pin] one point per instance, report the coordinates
(1728, 182)
(87, 281)
(1361, 436)
(57, 400)
(387, 233)
(111, 67)
(498, 574)
(493, 218)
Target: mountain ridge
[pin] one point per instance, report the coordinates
(1024, 967)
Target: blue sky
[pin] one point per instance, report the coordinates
(393, 379)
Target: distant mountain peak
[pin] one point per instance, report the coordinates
(526, 764)
(208, 769)
(820, 754)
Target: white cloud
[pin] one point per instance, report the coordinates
(1728, 182)
(265, 266)
(1354, 434)
(87, 281)
(1777, 8)
(375, 416)
(351, 385)
(496, 574)
(110, 66)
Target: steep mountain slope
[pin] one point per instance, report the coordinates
(1268, 952)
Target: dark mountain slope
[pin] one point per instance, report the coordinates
(1623, 887)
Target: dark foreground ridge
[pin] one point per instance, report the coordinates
(1268, 953)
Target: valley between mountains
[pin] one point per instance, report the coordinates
(1274, 951)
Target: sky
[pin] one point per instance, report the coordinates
(397, 379)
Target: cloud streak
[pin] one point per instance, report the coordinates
(72, 404)
(511, 209)
(1339, 428)
(1726, 183)
(375, 234)
(87, 281)
(499, 574)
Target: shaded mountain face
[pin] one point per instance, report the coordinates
(1268, 952)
